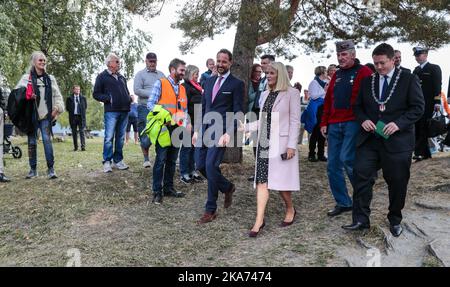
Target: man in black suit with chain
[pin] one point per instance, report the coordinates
(76, 105)
(430, 76)
(388, 105)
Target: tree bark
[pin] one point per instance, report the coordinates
(45, 28)
(245, 43)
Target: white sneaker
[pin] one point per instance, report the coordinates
(120, 165)
(107, 167)
(146, 164)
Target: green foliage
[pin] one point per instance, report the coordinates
(76, 43)
(289, 26)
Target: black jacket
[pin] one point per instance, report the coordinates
(431, 81)
(194, 97)
(405, 69)
(21, 112)
(448, 92)
(113, 93)
(405, 108)
(70, 107)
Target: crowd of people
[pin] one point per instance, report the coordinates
(369, 117)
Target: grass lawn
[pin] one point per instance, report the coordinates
(109, 219)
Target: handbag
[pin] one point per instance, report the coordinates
(437, 125)
(29, 92)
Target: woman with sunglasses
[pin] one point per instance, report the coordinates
(44, 92)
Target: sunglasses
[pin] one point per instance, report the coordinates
(41, 60)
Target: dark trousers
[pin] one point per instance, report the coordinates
(208, 160)
(164, 168)
(317, 138)
(370, 157)
(422, 148)
(77, 126)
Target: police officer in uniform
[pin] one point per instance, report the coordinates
(430, 76)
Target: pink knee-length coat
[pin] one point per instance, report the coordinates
(284, 175)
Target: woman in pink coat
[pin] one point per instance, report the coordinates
(277, 165)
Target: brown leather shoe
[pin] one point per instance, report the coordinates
(229, 197)
(207, 217)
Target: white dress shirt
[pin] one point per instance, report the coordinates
(390, 74)
(76, 99)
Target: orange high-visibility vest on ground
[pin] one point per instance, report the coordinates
(176, 105)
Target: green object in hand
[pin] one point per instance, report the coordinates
(379, 129)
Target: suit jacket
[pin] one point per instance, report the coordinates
(284, 175)
(404, 69)
(228, 100)
(70, 106)
(431, 81)
(448, 92)
(405, 108)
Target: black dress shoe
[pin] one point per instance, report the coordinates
(322, 158)
(338, 210)
(3, 178)
(396, 230)
(312, 158)
(356, 226)
(420, 158)
(173, 193)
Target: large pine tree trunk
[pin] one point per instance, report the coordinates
(45, 28)
(245, 43)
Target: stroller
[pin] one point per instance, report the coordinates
(8, 147)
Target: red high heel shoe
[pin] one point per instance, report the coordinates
(255, 233)
(285, 224)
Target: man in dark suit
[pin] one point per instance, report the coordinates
(388, 105)
(430, 76)
(398, 61)
(76, 105)
(223, 94)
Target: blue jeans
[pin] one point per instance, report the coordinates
(187, 160)
(341, 155)
(45, 126)
(164, 167)
(142, 122)
(115, 127)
